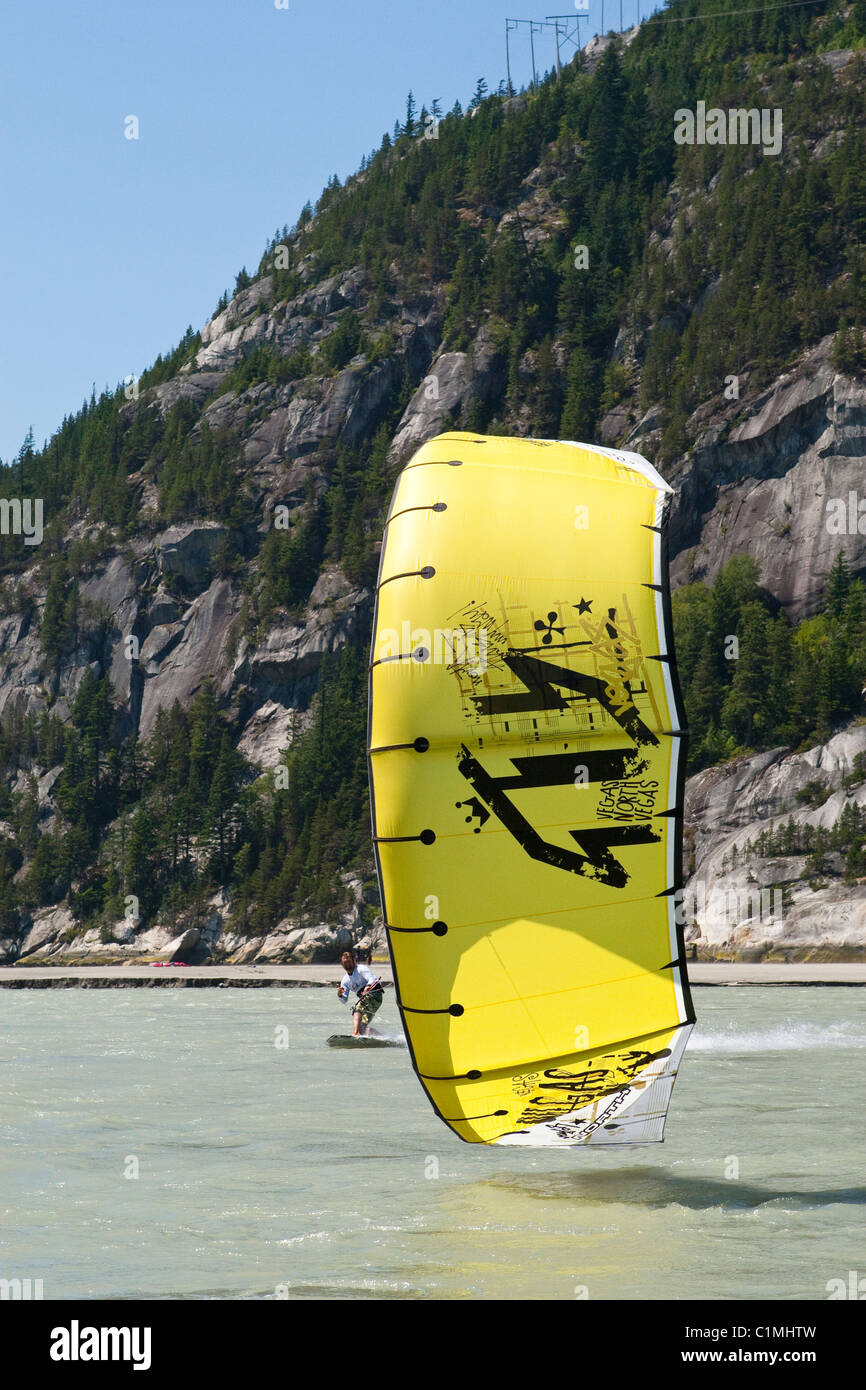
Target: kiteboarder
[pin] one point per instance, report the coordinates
(368, 988)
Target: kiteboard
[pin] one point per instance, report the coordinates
(370, 1040)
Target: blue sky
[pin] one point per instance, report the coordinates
(109, 247)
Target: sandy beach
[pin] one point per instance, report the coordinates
(256, 976)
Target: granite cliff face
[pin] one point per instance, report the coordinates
(742, 904)
(161, 613)
(772, 478)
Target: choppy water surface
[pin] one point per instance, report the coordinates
(325, 1171)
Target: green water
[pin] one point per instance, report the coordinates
(325, 1171)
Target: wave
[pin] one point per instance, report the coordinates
(783, 1037)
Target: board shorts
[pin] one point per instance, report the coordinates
(369, 1005)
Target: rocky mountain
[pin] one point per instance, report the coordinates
(767, 900)
(214, 538)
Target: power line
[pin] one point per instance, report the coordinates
(723, 14)
(537, 25)
(567, 20)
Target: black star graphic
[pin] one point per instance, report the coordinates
(583, 606)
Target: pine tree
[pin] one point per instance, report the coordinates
(53, 631)
(547, 393)
(838, 584)
(220, 819)
(410, 124)
(742, 713)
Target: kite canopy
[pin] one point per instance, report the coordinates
(527, 760)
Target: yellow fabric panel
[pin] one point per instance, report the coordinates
(401, 688)
(583, 1080)
(516, 619)
(519, 1032)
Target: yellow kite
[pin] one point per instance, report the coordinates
(527, 762)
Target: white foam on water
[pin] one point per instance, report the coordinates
(783, 1037)
(307, 1236)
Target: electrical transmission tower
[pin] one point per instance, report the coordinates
(567, 34)
(566, 29)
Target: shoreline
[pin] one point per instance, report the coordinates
(701, 973)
